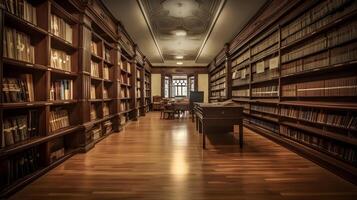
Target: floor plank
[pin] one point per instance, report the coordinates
(162, 159)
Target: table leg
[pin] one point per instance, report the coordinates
(203, 137)
(241, 135)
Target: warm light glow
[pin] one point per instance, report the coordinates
(179, 57)
(179, 63)
(180, 33)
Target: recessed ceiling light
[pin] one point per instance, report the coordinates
(179, 63)
(180, 33)
(179, 57)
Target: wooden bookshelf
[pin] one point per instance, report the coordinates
(294, 73)
(77, 58)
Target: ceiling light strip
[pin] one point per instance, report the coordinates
(150, 28)
(218, 13)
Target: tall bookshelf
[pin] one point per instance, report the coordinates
(62, 73)
(219, 81)
(295, 76)
(39, 76)
(147, 88)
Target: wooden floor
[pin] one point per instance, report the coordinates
(161, 159)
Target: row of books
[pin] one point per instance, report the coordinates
(93, 93)
(22, 9)
(123, 119)
(265, 109)
(309, 47)
(125, 92)
(126, 66)
(344, 33)
(107, 55)
(107, 127)
(124, 106)
(96, 132)
(344, 152)
(219, 84)
(105, 93)
(273, 127)
(20, 128)
(106, 109)
(93, 112)
(57, 149)
(18, 89)
(346, 86)
(106, 72)
(344, 54)
(59, 27)
(218, 74)
(22, 164)
(313, 26)
(94, 48)
(266, 91)
(241, 73)
(221, 93)
(59, 118)
(320, 11)
(94, 69)
(338, 36)
(266, 43)
(61, 90)
(17, 45)
(125, 79)
(336, 119)
(305, 64)
(60, 60)
(240, 93)
(241, 58)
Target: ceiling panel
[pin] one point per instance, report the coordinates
(195, 29)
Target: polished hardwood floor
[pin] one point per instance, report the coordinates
(162, 159)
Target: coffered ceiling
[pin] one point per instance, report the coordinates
(182, 32)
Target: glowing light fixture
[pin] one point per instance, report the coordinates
(180, 32)
(179, 57)
(179, 63)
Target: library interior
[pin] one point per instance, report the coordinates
(178, 99)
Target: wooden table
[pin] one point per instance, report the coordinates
(218, 117)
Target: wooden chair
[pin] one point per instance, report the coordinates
(156, 102)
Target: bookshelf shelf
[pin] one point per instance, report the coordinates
(59, 43)
(30, 104)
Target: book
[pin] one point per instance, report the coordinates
(59, 27)
(59, 118)
(93, 93)
(331, 147)
(60, 60)
(22, 164)
(20, 127)
(61, 90)
(18, 89)
(106, 72)
(346, 86)
(18, 46)
(107, 55)
(93, 112)
(94, 69)
(23, 9)
(57, 149)
(105, 109)
(265, 91)
(107, 127)
(94, 48)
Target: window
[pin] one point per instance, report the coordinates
(167, 87)
(179, 87)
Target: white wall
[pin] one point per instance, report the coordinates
(155, 84)
(203, 85)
